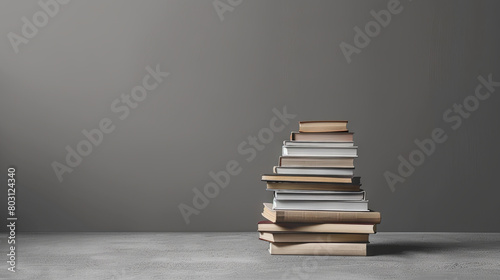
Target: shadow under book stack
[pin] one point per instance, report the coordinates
(319, 207)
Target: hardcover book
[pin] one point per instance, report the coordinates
(296, 216)
(310, 178)
(334, 162)
(322, 126)
(322, 137)
(320, 205)
(318, 249)
(314, 237)
(310, 227)
(313, 186)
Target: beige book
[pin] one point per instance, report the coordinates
(314, 237)
(323, 137)
(296, 216)
(323, 126)
(318, 249)
(339, 162)
(313, 186)
(323, 228)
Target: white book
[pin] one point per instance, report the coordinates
(314, 171)
(320, 205)
(320, 152)
(318, 249)
(289, 143)
(320, 195)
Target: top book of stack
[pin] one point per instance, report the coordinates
(323, 126)
(322, 131)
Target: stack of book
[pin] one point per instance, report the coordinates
(319, 207)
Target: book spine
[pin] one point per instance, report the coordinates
(280, 215)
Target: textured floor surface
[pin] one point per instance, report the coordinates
(243, 256)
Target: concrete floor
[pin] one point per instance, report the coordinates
(243, 256)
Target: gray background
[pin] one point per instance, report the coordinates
(225, 79)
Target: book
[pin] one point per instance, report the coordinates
(322, 126)
(320, 151)
(318, 144)
(320, 205)
(318, 249)
(318, 195)
(309, 227)
(322, 137)
(338, 162)
(314, 186)
(309, 178)
(296, 216)
(314, 171)
(313, 237)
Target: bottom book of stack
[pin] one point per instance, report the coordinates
(297, 232)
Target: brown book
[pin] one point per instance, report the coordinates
(309, 227)
(318, 249)
(323, 137)
(310, 178)
(297, 216)
(333, 162)
(314, 186)
(314, 237)
(323, 126)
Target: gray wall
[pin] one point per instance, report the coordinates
(226, 76)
